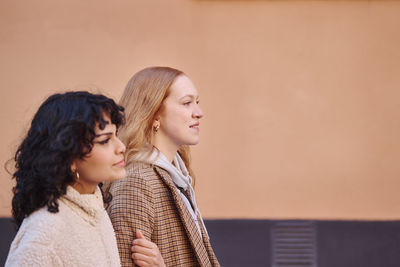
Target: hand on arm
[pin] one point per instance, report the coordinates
(145, 253)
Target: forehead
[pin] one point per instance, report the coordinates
(109, 127)
(183, 86)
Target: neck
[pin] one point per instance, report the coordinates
(167, 148)
(83, 188)
(169, 154)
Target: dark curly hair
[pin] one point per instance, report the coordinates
(62, 130)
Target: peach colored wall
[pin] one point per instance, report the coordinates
(301, 97)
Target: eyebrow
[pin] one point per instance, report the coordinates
(188, 95)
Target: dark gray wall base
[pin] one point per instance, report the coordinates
(359, 244)
(338, 243)
(250, 243)
(7, 233)
(243, 243)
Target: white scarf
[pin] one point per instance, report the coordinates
(181, 178)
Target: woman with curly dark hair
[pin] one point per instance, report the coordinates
(70, 148)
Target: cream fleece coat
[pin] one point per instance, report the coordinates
(80, 234)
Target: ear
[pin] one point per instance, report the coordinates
(156, 122)
(73, 167)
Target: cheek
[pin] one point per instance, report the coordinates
(96, 161)
(176, 121)
(183, 117)
(179, 125)
(96, 170)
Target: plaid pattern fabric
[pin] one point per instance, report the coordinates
(148, 200)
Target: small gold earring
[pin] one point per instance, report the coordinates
(157, 127)
(77, 175)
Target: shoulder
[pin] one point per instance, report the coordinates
(43, 223)
(146, 171)
(143, 183)
(137, 184)
(138, 175)
(142, 170)
(33, 245)
(40, 228)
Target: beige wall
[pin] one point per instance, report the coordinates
(301, 97)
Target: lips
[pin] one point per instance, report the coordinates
(196, 125)
(120, 163)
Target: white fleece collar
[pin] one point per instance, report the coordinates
(87, 206)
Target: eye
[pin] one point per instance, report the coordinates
(187, 103)
(103, 142)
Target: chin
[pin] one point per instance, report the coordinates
(189, 141)
(119, 176)
(193, 143)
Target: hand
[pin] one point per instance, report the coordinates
(145, 253)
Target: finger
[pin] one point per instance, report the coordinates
(145, 251)
(139, 234)
(143, 258)
(144, 243)
(141, 263)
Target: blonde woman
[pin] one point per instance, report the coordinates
(162, 120)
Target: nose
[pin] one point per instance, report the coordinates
(197, 112)
(120, 147)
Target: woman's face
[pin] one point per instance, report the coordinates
(180, 114)
(104, 163)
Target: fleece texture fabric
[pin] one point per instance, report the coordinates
(80, 234)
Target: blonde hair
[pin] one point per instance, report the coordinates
(142, 98)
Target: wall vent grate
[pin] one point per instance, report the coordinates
(294, 244)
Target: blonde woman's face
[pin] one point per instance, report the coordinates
(180, 114)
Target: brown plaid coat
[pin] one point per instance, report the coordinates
(148, 200)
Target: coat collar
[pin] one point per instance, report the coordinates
(195, 238)
(87, 206)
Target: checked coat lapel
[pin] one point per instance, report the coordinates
(202, 249)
